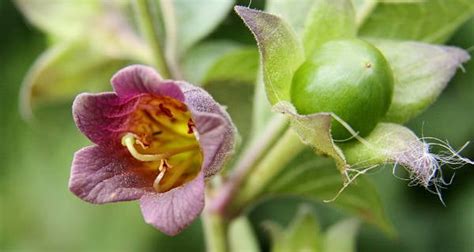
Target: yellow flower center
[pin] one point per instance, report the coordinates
(161, 135)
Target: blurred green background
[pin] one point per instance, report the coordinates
(38, 213)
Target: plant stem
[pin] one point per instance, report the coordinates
(287, 147)
(215, 230)
(147, 27)
(171, 29)
(254, 153)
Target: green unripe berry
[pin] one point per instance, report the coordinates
(350, 78)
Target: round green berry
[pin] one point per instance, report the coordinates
(350, 78)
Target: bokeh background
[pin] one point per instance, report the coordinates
(38, 213)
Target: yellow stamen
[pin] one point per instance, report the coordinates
(175, 175)
(164, 166)
(156, 183)
(129, 140)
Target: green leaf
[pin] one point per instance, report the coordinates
(421, 72)
(202, 57)
(341, 237)
(302, 235)
(239, 66)
(318, 180)
(65, 70)
(242, 237)
(190, 21)
(280, 51)
(63, 19)
(328, 20)
(314, 130)
(432, 21)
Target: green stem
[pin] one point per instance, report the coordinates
(146, 23)
(215, 230)
(287, 147)
(254, 152)
(171, 28)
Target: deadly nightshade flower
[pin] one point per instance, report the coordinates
(155, 140)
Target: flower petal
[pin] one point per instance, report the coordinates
(172, 211)
(216, 130)
(138, 79)
(102, 117)
(99, 176)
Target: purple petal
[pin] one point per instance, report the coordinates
(102, 117)
(174, 210)
(216, 130)
(99, 176)
(138, 79)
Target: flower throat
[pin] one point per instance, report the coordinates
(162, 135)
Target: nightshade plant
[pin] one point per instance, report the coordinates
(339, 76)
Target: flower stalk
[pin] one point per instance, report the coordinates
(248, 160)
(215, 231)
(287, 148)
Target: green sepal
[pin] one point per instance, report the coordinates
(421, 72)
(281, 53)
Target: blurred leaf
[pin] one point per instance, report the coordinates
(364, 8)
(63, 19)
(293, 14)
(242, 237)
(421, 72)
(238, 100)
(328, 20)
(262, 112)
(318, 180)
(302, 235)
(202, 57)
(341, 237)
(113, 36)
(103, 24)
(190, 21)
(314, 130)
(280, 51)
(431, 21)
(238, 65)
(65, 70)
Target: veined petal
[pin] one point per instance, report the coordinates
(98, 176)
(174, 210)
(211, 129)
(216, 130)
(137, 79)
(102, 117)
